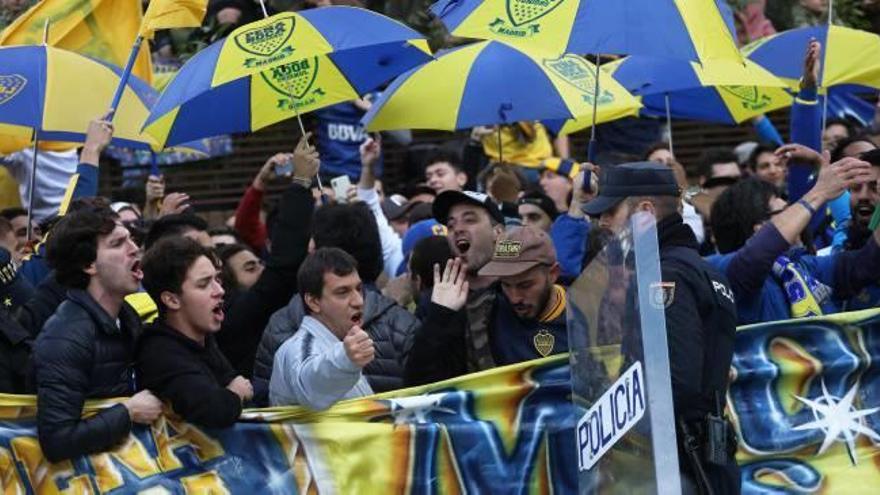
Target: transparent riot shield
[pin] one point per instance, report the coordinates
(620, 368)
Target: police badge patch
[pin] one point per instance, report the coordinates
(11, 85)
(662, 294)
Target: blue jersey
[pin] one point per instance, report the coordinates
(340, 135)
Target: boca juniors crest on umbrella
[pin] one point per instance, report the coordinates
(270, 70)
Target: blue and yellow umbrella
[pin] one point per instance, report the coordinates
(491, 82)
(849, 56)
(280, 67)
(688, 30)
(687, 90)
(58, 92)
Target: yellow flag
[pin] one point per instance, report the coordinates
(102, 29)
(166, 14)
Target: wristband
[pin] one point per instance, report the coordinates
(807, 205)
(303, 181)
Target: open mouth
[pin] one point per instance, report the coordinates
(217, 310)
(357, 318)
(462, 245)
(136, 271)
(865, 210)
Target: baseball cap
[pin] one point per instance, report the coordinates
(447, 199)
(631, 179)
(518, 250)
(395, 207)
(542, 201)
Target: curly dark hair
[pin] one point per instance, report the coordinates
(73, 244)
(353, 229)
(165, 265)
(737, 211)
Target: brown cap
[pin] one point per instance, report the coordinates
(518, 250)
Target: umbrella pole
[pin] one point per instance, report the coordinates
(827, 94)
(299, 121)
(123, 79)
(500, 152)
(591, 149)
(33, 181)
(669, 124)
(32, 186)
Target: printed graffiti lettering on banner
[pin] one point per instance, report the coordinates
(10, 86)
(806, 401)
(611, 416)
(295, 81)
(576, 71)
(750, 97)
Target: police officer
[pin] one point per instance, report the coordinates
(700, 322)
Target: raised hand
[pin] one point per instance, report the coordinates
(450, 288)
(837, 177)
(810, 79)
(358, 346)
(800, 153)
(305, 159)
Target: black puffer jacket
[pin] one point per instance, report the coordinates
(390, 326)
(82, 354)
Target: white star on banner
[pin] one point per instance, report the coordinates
(408, 410)
(839, 418)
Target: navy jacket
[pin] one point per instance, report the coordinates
(82, 354)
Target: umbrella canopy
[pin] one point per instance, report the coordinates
(491, 82)
(849, 56)
(58, 92)
(275, 68)
(718, 91)
(661, 28)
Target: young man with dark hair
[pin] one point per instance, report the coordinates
(444, 173)
(17, 216)
(85, 348)
(537, 210)
(764, 164)
(177, 356)
(321, 364)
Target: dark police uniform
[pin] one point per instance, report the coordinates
(700, 328)
(700, 325)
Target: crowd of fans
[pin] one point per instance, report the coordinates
(327, 295)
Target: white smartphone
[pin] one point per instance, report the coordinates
(340, 186)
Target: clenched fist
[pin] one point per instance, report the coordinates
(358, 346)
